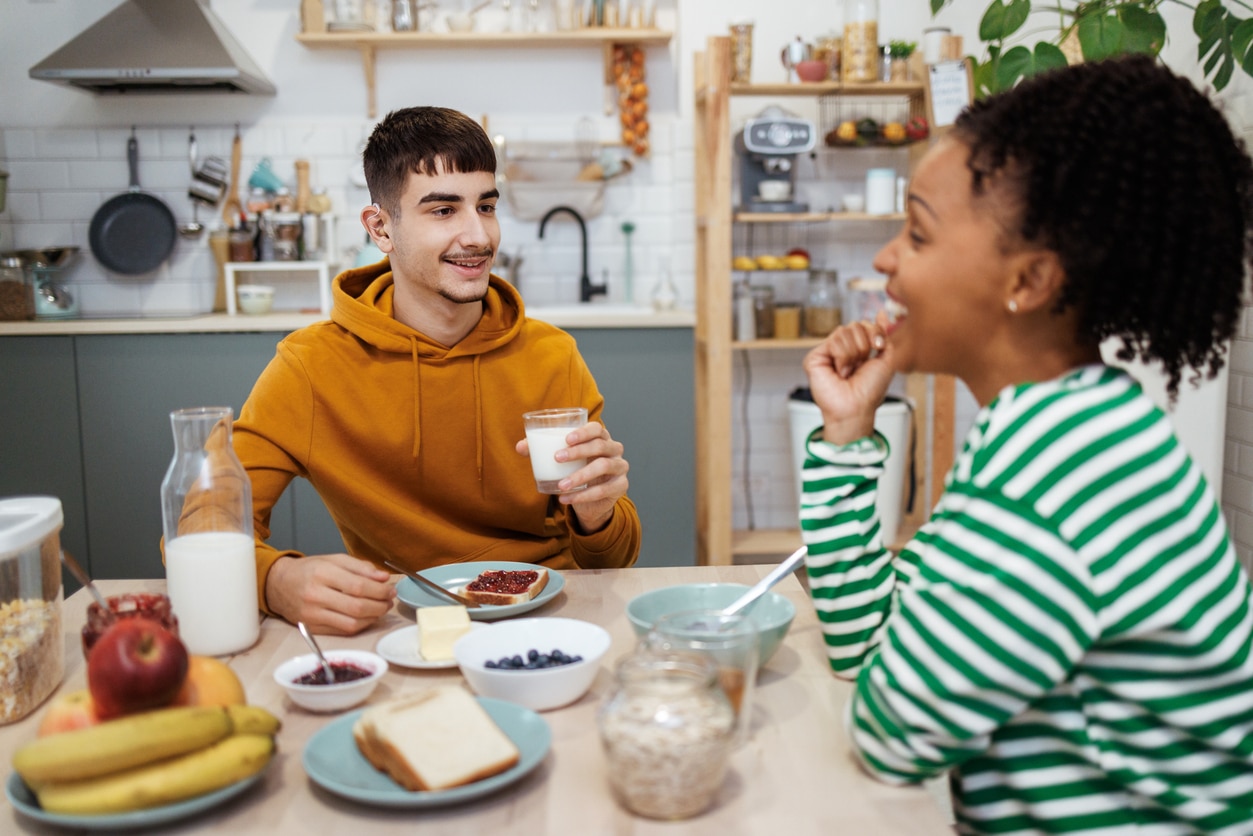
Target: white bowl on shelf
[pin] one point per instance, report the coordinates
(255, 298)
(853, 203)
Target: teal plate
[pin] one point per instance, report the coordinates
(333, 761)
(456, 575)
(24, 801)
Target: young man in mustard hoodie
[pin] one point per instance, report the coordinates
(404, 411)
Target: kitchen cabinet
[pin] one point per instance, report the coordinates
(715, 349)
(85, 418)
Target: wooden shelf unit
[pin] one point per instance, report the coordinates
(717, 540)
(368, 44)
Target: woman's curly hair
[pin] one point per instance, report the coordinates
(1136, 181)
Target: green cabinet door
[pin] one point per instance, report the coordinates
(39, 443)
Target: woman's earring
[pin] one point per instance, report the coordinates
(1012, 305)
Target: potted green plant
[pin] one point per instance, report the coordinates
(898, 59)
(1097, 29)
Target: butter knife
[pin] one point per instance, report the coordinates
(433, 587)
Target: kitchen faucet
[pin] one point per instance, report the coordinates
(586, 289)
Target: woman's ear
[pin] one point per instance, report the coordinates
(375, 222)
(1039, 280)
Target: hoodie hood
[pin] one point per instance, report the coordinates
(363, 305)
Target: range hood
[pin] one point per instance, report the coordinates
(155, 46)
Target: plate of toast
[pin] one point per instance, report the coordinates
(522, 593)
(384, 754)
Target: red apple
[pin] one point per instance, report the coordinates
(136, 665)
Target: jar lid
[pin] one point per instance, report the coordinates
(27, 520)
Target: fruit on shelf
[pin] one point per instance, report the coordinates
(136, 665)
(796, 262)
(67, 712)
(846, 131)
(770, 262)
(868, 130)
(744, 262)
(201, 771)
(917, 129)
(210, 681)
(894, 132)
(798, 251)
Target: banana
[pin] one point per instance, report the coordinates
(121, 744)
(223, 763)
(253, 719)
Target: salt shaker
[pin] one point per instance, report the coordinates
(667, 732)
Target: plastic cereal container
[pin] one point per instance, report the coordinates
(31, 646)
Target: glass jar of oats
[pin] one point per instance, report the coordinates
(667, 732)
(31, 645)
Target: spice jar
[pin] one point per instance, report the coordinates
(787, 322)
(17, 298)
(242, 244)
(666, 730)
(287, 230)
(763, 311)
(822, 304)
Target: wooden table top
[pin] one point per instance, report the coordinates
(795, 775)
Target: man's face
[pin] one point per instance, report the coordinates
(444, 240)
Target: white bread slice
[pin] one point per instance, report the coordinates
(434, 739)
(438, 628)
(488, 596)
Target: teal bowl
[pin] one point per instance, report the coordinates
(772, 613)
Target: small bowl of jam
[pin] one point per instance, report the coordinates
(357, 673)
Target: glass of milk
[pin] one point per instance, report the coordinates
(206, 509)
(546, 431)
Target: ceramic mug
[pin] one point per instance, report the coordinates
(263, 177)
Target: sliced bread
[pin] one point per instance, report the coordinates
(508, 586)
(434, 739)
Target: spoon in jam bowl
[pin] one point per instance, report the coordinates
(326, 666)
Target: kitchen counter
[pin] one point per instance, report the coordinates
(563, 316)
(794, 775)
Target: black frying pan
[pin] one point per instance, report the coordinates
(133, 232)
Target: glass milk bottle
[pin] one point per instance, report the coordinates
(206, 510)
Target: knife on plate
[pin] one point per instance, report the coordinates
(433, 587)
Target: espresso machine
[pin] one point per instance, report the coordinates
(768, 147)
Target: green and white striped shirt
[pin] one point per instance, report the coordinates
(1071, 631)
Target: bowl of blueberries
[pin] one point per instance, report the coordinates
(538, 663)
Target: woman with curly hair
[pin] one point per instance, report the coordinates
(1070, 634)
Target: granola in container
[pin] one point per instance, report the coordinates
(31, 646)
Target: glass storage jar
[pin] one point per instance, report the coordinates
(17, 298)
(763, 311)
(859, 56)
(31, 646)
(667, 730)
(822, 303)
